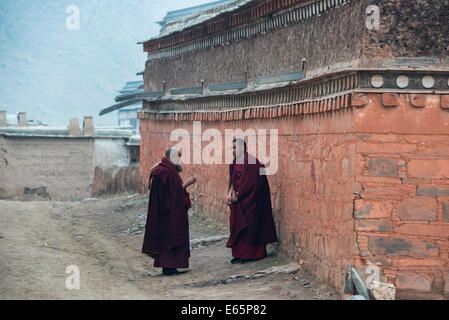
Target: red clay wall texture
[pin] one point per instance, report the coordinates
(311, 193)
(401, 218)
(368, 185)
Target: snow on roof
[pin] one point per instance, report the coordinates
(199, 17)
(178, 14)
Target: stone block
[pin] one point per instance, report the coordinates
(429, 168)
(390, 99)
(445, 207)
(372, 209)
(445, 101)
(413, 281)
(359, 99)
(402, 247)
(380, 167)
(419, 209)
(432, 191)
(423, 229)
(374, 225)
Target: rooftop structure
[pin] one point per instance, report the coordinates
(176, 15)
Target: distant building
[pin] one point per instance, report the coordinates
(128, 103)
(131, 96)
(127, 117)
(65, 162)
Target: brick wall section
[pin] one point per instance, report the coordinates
(311, 193)
(367, 185)
(402, 156)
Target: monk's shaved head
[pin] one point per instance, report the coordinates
(238, 148)
(174, 156)
(171, 152)
(240, 142)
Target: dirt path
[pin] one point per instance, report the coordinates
(103, 238)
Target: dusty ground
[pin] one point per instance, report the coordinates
(103, 238)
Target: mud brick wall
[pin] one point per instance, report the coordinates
(311, 193)
(258, 56)
(46, 168)
(64, 168)
(408, 29)
(333, 40)
(402, 211)
(116, 180)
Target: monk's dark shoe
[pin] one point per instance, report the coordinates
(169, 272)
(235, 260)
(173, 272)
(243, 261)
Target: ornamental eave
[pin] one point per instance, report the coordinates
(245, 13)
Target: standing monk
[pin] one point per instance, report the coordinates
(167, 228)
(251, 220)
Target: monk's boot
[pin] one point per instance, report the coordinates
(169, 271)
(235, 260)
(172, 272)
(243, 261)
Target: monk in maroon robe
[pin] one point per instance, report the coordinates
(251, 220)
(166, 236)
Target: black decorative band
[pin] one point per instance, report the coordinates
(189, 90)
(325, 87)
(287, 94)
(404, 80)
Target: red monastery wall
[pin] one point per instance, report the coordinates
(402, 173)
(311, 193)
(364, 185)
(363, 172)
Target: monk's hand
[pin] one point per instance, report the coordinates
(189, 182)
(234, 197)
(229, 199)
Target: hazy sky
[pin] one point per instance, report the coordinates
(54, 72)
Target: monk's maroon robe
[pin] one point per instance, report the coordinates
(251, 220)
(166, 236)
